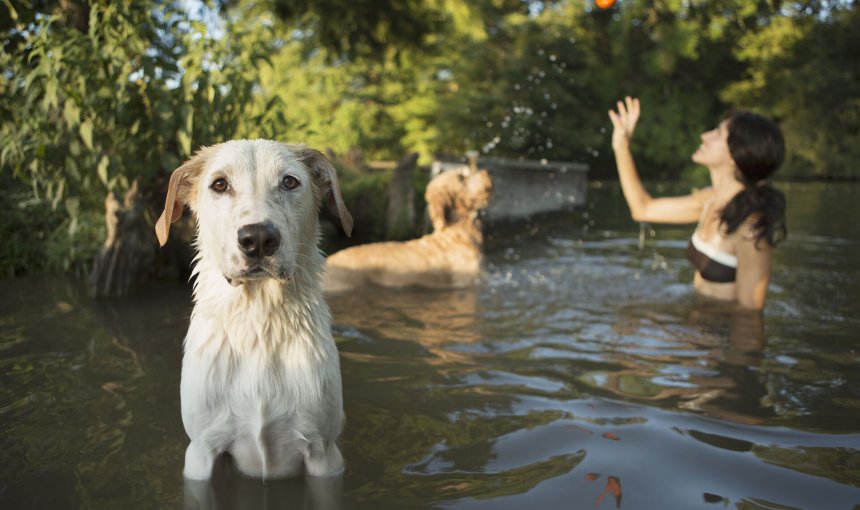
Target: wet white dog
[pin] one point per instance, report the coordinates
(260, 374)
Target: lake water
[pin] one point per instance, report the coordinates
(583, 373)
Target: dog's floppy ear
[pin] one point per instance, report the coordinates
(440, 199)
(179, 192)
(326, 177)
(437, 203)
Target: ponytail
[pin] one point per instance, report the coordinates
(765, 204)
(757, 148)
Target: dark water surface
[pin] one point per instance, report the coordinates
(583, 374)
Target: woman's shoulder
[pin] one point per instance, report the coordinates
(702, 195)
(748, 232)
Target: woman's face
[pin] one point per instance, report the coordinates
(714, 150)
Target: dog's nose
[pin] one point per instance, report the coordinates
(259, 239)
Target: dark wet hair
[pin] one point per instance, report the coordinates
(758, 148)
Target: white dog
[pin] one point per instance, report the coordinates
(260, 375)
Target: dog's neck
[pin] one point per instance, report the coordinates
(467, 225)
(252, 315)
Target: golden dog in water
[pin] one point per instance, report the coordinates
(450, 256)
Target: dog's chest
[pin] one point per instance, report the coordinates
(287, 373)
(265, 376)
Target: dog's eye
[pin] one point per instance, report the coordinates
(290, 182)
(219, 185)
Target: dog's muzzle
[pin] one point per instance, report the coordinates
(259, 240)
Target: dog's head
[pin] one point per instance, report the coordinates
(256, 205)
(456, 195)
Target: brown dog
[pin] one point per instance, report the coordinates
(449, 257)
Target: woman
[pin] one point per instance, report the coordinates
(741, 217)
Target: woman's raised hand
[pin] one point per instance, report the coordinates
(624, 121)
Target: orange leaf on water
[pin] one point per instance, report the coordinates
(614, 487)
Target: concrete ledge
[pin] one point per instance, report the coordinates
(523, 188)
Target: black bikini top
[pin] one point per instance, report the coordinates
(714, 265)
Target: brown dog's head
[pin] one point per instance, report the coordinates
(256, 204)
(456, 195)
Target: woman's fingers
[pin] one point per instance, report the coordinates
(628, 102)
(627, 115)
(631, 113)
(616, 121)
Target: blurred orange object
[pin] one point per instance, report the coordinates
(604, 4)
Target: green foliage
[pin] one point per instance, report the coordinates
(37, 238)
(96, 93)
(87, 109)
(806, 73)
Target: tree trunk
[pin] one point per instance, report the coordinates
(400, 214)
(129, 247)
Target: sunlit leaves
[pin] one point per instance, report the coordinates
(84, 112)
(86, 131)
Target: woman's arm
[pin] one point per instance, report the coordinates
(683, 209)
(753, 275)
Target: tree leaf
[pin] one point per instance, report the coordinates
(12, 12)
(50, 100)
(71, 113)
(86, 131)
(184, 140)
(102, 170)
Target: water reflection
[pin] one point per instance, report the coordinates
(563, 382)
(703, 357)
(734, 388)
(482, 387)
(229, 490)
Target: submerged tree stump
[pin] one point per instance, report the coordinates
(129, 246)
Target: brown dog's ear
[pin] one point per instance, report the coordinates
(326, 176)
(439, 197)
(179, 192)
(437, 201)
